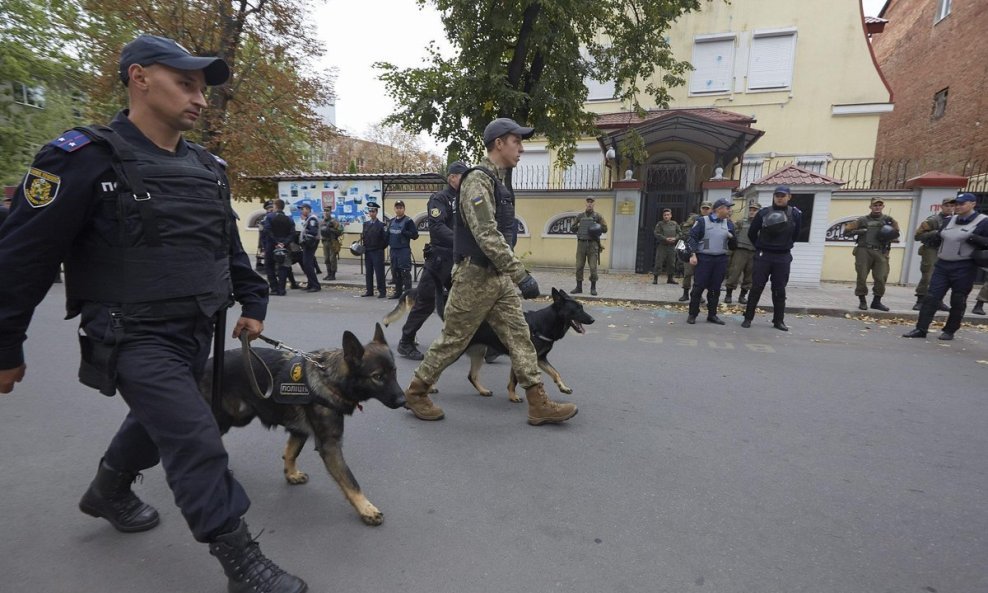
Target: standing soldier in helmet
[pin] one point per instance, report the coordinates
(874, 236)
(666, 234)
(773, 231)
(684, 232)
(589, 226)
(928, 234)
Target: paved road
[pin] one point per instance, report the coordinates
(835, 458)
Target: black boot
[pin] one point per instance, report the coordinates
(578, 289)
(743, 297)
(109, 496)
(727, 297)
(876, 303)
(862, 303)
(919, 304)
(593, 287)
(779, 312)
(686, 295)
(409, 351)
(248, 569)
(979, 308)
(943, 306)
(671, 280)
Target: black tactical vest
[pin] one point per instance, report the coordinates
(464, 243)
(169, 230)
(780, 241)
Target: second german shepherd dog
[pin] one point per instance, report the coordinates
(547, 325)
(341, 380)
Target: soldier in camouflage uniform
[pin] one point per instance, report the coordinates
(872, 253)
(484, 281)
(927, 233)
(979, 305)
(742, 259)
(587, 246)
(684, 232)
(666, 234)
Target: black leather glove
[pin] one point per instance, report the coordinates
(529, 287)
(978, 240)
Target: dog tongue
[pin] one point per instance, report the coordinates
(577, 326)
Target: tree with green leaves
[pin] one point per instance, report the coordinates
(529, 60)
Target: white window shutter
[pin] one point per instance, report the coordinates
(713, 65)
(771, 62)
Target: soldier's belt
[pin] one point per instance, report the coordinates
(479, 261)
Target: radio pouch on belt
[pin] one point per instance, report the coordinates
(99, 343)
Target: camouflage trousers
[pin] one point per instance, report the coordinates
(875, 261)
(687, 276)
(665, 260)
(740, 269)
(331, 258)
(983, 293)
(928, 258)
(480, 294)
(587, 252)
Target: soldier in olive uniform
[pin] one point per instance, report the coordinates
(741, 265)
(874, 240)
(684, 232)
(484, 281)
(666, 234)
(587, 246)
(979, 305)
(331, 232)
(927, 233)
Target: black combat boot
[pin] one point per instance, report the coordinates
(919, 304)
(979, 308)
(248, 569)
(876, 303)
(943, 306)
(779, 313)
(727, 297)
(109, 496)
(743, 297)
(593, 287)
(686, 295)
(409, 351)
(862, 303)
(578, 289)
(655, 278)
(671, 280)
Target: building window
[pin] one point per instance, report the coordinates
(813, 163)
(943, 9)
(940, 104)
(33, 96)
(597, 90)
(773, 54)
(751, 169)
(713, 64)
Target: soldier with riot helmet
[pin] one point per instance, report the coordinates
(874, 235)
(773, 231)
(589, 226)
(928, 234)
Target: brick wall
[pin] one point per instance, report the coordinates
(919, 58)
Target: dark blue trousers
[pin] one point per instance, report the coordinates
(158, 365)
(437, 273)
(708, 275)
(375, 268)
(767, 265)
(309, 265)
(958, 278)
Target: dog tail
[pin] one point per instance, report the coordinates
(405, 303)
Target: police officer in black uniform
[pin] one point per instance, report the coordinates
(773, 232)
(438, 272)
(142, 220)
(375, 239)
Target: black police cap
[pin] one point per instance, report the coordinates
(151, 49)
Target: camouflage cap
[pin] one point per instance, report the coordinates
(706, 205)
(755, 205)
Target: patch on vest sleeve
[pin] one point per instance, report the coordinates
(41, 187)
(434, 213)
(477, 201)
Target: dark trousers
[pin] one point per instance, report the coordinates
(769, 265)
(309, 265)
(270, 267)
(374, 261)
(958, 278)
(158, 365)
(437, 274)
(401, 268)
(708, 275)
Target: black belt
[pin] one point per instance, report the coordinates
(481, 261)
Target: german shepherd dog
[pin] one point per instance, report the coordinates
(341, 380)
(547, 325)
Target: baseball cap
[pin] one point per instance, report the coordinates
(966, 197)
(591, 200)
(949, 201)
(505, 125)
(151, 49)
(755, 205)
(664, 210)
(723, 202)
(877, 201)
(457, 168)
(399, 203)
(782, 189)
(705, 205)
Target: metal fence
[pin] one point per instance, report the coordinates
(876, 174)
(576, 178)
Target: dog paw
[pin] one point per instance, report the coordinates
(565, 389)
(514, 398)
(434, 390)
(297, 478)
(486, 393)
(372, 518)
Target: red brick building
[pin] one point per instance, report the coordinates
(934, 55)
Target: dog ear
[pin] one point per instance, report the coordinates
(353, 350)
(379, 334)
(555, 293)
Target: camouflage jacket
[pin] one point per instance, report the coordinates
(476, 207)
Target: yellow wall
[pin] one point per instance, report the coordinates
(838, 261)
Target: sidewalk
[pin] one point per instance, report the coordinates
(832, 299)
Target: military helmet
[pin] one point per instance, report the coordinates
(887, 233)
(595, 230)
(775, 222)
(357, 248)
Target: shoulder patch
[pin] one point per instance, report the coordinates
(477, 201)
(434, 213)
(71, 141)
(41, 187)
(219, 160)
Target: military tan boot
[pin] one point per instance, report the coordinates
(417, 400)
(541, 409)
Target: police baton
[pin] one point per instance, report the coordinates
(219, 348)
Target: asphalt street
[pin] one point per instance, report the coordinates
(835, 458)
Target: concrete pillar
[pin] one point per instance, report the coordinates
(715, 189)
(931, 188)
(624, 231)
